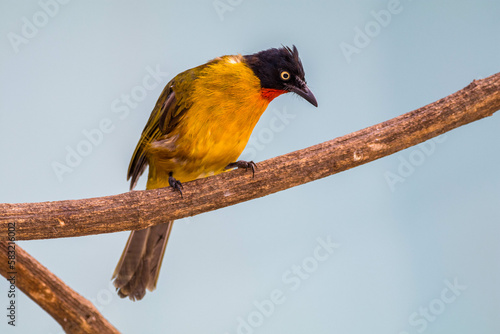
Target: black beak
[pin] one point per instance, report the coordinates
(305, 92)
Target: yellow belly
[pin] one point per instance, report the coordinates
(226, 105)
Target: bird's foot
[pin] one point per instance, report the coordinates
(243, 164)
(176, 184)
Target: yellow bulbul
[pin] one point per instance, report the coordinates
(199, 127)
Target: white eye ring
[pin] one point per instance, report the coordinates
(285, 75)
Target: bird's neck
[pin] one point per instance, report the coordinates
(269, 93)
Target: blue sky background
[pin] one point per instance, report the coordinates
(420, 255)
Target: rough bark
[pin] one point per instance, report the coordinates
(73, 312)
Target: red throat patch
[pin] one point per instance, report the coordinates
(269, 94)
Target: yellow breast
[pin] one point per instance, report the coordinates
(225, 105)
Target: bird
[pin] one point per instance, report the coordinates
(199, 126)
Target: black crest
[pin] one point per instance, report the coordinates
(269, 66)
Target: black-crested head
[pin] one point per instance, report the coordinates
(281, 70)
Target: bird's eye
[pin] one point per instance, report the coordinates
(285, 75)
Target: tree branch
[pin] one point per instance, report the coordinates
(73, 312)
(140, 209)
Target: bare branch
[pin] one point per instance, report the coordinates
(140, 209)
(73, 312)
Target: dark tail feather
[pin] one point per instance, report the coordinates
(140, 263)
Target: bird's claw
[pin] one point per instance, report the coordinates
(243, 164)
(176, 184)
